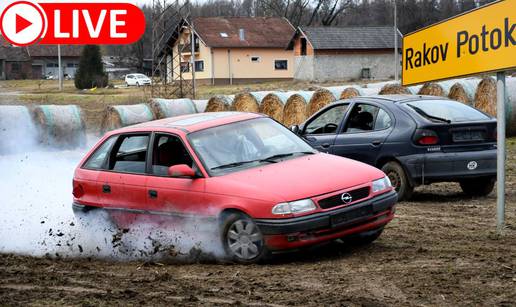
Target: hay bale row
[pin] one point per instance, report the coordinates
(320, 99)
(485, 96)
(437, 88)
(393, 88)
(249, 102)
(464, 91)
(164, 108)
(60, 125)
(273, 104)
(295, 111)
(200, 105)
(350, 92)
(220, 103)
(125, 115)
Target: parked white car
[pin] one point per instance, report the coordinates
(137, 80)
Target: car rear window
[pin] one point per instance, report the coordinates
(446, 111)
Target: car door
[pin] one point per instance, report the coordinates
(320, 131)
(364, 132)
(174, 196)
(123, 182)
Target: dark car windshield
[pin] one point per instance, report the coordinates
(245, 144)
(446, 111)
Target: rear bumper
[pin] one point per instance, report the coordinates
(452, 166)
(320, 227)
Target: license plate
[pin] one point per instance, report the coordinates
(352, 215)
(465, 136)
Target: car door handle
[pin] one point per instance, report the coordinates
(376, 142)
(106, 188)
(326, 145)
(153, 194)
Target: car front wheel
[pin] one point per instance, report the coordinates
(242, 239)
(399, 180)
(478, 186)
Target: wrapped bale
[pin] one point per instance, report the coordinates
(164, 108)
(350, 92)
(295, 110)
(320, 99)
(390, 89)
(17, 131)
(485, 96)
(273, 104)
(201, 105)
(464, 90)
(249, 102)
(125, 115)
(60, 125)
(220, 103)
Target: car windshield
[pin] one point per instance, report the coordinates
(141, 76)
(236, 146)
(446, 111)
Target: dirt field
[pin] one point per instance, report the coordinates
(442, 249)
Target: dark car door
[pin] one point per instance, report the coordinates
(320, 131)
(364, 133)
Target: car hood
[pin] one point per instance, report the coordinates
(295, 179)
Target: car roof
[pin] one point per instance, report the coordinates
(191, 123)
(399, 98)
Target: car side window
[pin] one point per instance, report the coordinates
(97, 160)
(168, 150)
(327, 122)
(366, 117)
(383, 120)
(129, 154)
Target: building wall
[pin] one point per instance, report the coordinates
(17, 70)
(50, 66)
(297, 47)
(2, 70)
(304, 68)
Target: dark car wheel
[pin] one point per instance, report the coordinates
(363, 238)
(399, 180)
(478, 186)
(242, 239)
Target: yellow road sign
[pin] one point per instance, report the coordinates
(481, 40)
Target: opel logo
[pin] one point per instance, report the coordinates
(346, 198)
(472, 165)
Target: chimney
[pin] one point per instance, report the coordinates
(241, 34)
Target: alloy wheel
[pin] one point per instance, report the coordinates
(244, 239)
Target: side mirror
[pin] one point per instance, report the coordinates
(295, 129)
(181, 171)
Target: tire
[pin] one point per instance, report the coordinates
(364, 238)
(138, 84)
(478, 186)
(399, 180)
(242, 240)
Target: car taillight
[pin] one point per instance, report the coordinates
(428, 140)
(78, 190)
(426, 137)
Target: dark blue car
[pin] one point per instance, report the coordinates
(415, 140)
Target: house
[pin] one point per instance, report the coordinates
(342, 53)
(14, 63)
(229, 50)
(45, 60)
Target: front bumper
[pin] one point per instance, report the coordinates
(324, 226)
(449, 166)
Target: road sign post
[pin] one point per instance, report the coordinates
(501, 96)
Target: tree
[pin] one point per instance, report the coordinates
(91, 70)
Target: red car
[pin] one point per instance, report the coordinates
(268, 188)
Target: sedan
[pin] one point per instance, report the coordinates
(415, 140)
(265, 187)
(137, 80)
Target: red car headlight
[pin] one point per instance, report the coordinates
(299, 206)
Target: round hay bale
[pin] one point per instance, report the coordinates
(390, 89)
(17, 131)
(220, 103)
(249, 102)
(294, 112)
(125, 115)
(414, 89)
(369, 91)
(201, 105)
(350, 92)
(432, 89)
(273, 104)
(464, 91)
(320, 99)
(60, 125)
(485, 96)
(164, 108)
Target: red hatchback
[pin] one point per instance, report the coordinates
(268, 189)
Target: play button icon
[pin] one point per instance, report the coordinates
(23, 23)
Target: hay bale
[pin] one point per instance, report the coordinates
(485, 96)
(414, 89)
(201, 105)
(164, 108)
(249, 102)
(220, 103)
(319, 100)
(437, 89)
(60, 125)
(390, 89)
(273, 104)
(125, 115)
(464, 91)
(295, 110)
(369, 91)
(17, 131)
(350, 92)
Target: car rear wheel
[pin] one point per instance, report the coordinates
(478, 186)
(242, 239)
(363, 238)
(399, 180)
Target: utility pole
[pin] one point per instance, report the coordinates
(396, 55)
(60, 68)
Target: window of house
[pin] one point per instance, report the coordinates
(199, 65)
(185, 67)
(280, 64)
(52, 65)
(168, 151)
(223, 34)
(256, 59)
(129, 154)
(15, 67)
(303, 46)
(196, 43)
(72, 65)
